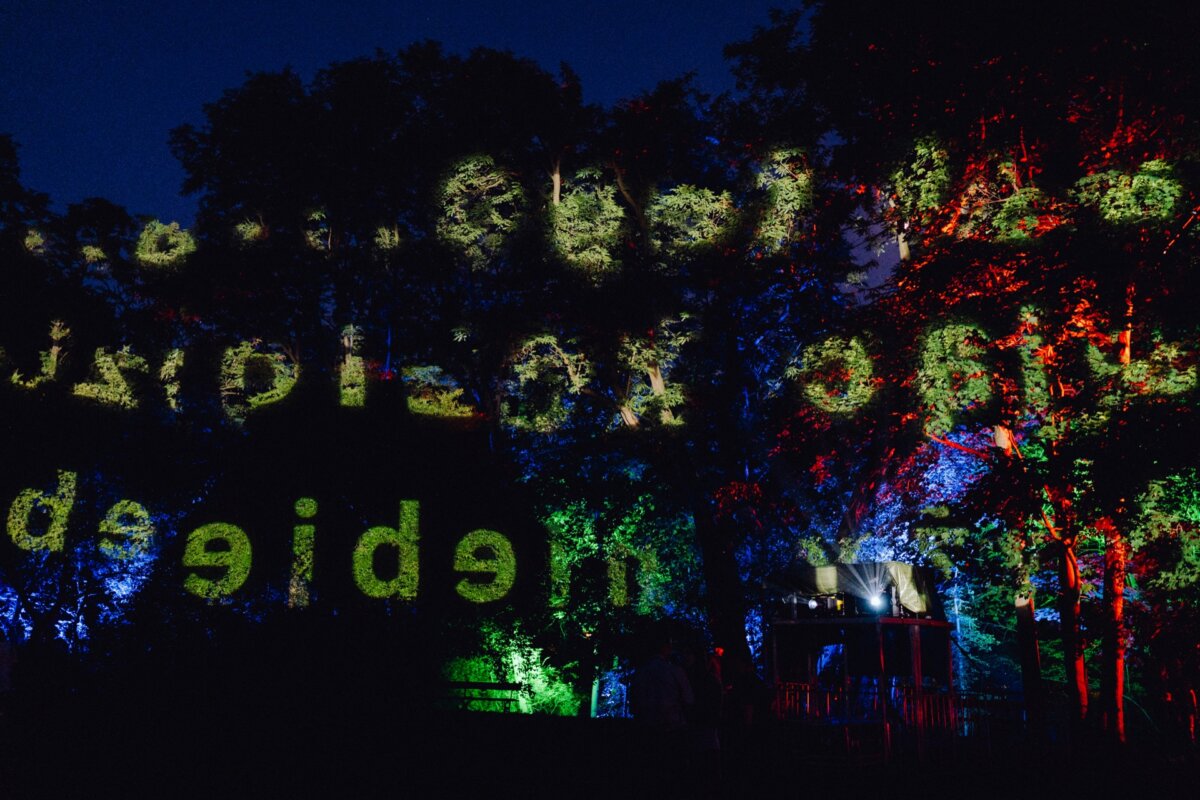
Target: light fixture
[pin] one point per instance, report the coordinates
(812, 604)
(876, 601)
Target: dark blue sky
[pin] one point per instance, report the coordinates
(90, 89)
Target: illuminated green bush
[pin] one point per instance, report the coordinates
(232, 557)
(317, 233)
(113, 388)
(35, 242)
(585, 226)
(787, 180)
(1016, 218)
(688, 220)
(249, 231)
(1148, 195)
(387, 239)
(163, 246)
(433, 393)
(922, 184)
(92, 254)
(510, 656)
(57, 507)
(481, 206)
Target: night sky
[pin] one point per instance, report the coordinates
(89, 90)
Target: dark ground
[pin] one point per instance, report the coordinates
(217, 741)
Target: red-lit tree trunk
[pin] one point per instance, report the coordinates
(1112, 677)
(1072, 642)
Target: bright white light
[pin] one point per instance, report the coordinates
(876, 602)
(812, 603)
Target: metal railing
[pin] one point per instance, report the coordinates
(899, 706)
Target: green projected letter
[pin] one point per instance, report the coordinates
(232, 556)
(485, 552)
(111, 387)
(352, 371)
(952, 376)
(404, 539)
(251, 379)
(839, 376)
(57, 507)
(126, 530)
(303, 537)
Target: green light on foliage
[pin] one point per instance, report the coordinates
(788, 183)
(57, 508)
(922, 184)
(1148, 195)
(838, 375)
(352, 371)
(217, 546)
(126, 531)
(168, 374)
(688, 220)
(387, 239)
(1016, 217)
(571, 532)
(651, 358)
(50, 359)
(1163, 372)
(951, 376)
(249, 231)
(92, 254)
(317, 233)
(35, 242)
(303, 539)
(163, 246)
(274, 371)
(545, 375)
(647, 574)
(1033, 368)
(433, 393)
(1167, 519)
(403, 539)
(113, 388)
(481, 206)
(585, 227)
(484, 552)
(510, 656)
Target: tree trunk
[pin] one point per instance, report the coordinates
(902, 241)
(556, 182)
(1031, 666)
(1112, 680)
(658, 386)
(726, 603)
(1072, 641)
(627, 416)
